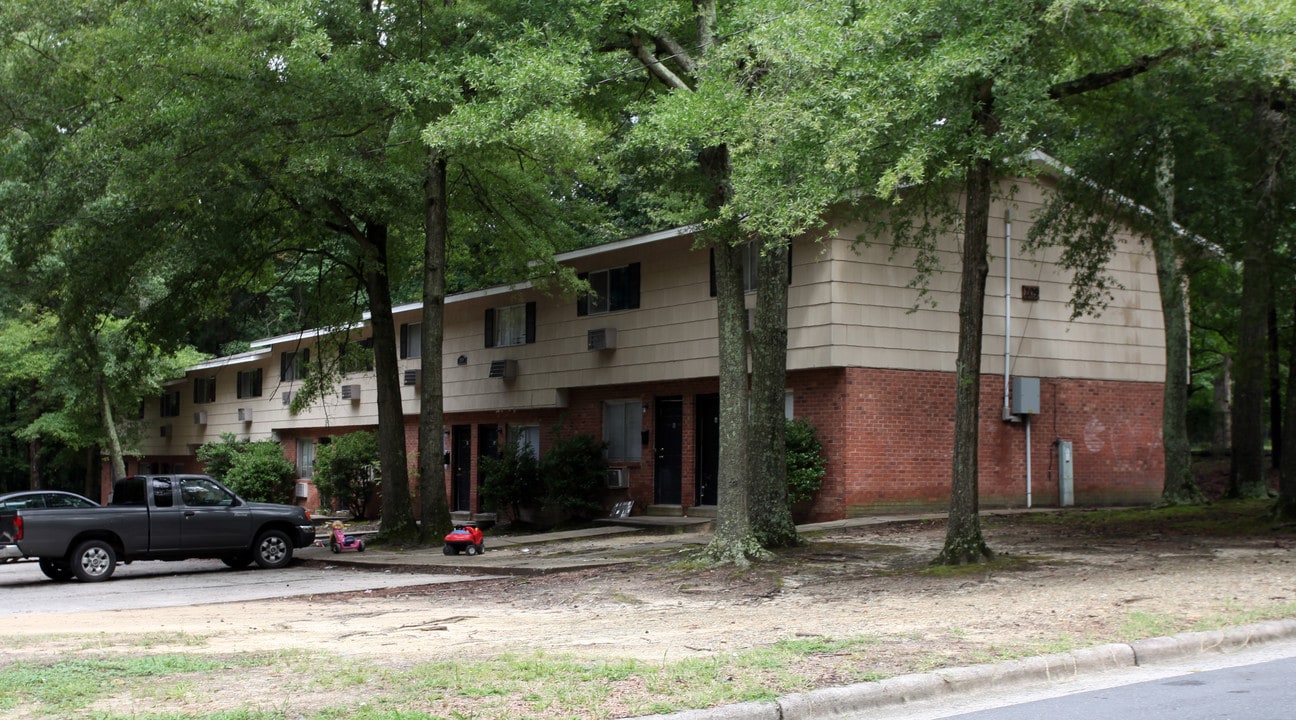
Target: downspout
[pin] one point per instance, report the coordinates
(1007, 409)
(1007, 383)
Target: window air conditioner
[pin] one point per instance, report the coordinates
(200, 417)
(245, 415)
(505, 369)
(618, 478)
(601, 339)
(351, 392)
(413, 377)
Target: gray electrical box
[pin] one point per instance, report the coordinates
(1025, 396)
(1066, 474)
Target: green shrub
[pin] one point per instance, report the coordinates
(574, 473)
(567, 480)
(805, 463)
(346, 470)
(257, 471)
(510, 481)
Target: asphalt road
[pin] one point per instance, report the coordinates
(1262, 691)
(1253, 684)
(154, 584)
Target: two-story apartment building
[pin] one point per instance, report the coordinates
(636, 366)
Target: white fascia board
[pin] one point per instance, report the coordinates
(305, 335)
(1053, 166)
(627, 243)
(228, 360)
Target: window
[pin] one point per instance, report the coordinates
(356, 357)
(411, 340)
(511, 325)
(204, 390)
(525, 437)
(170, 404)
(202, 492)
(249, 383)
(750, 261)
(161, 492)
(610, 290)
(292, 365)
(305, 458)
(622, 427)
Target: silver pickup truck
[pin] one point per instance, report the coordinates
(156, 517)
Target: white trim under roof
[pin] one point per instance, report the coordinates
(264, 344)
(627, 243)
(221, 362)
(305, 335)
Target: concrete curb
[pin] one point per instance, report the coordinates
(856, 700)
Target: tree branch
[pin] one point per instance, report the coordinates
(1099, 80)
(654, 66)
(677, 52)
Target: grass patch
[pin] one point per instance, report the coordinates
(482, 688)
(68, 685)
(1225, 518)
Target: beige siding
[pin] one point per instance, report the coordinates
(849, 306)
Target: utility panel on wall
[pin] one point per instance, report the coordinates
(1025, 396)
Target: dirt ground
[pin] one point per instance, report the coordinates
(1055, 587)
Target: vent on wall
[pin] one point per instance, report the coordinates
(287, 397)
(618, 478)
(601, 339)
(245, 415)
(165, 430)
(351, 392)
(200, 417)
(505, 369)
(413, 377)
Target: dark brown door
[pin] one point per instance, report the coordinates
(706, 449)
(461, 467)
(668, 439)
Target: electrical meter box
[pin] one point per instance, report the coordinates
(1025, 396)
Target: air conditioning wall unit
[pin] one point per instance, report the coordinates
(601, 339)
(618, 478)
(351, 392)
(200, 417)
(166, 431)
(504, 369)
(413, 378)
(245, 415)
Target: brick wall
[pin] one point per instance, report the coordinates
(888, 437)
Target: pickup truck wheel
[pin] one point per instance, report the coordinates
(272, 550)
(56, 570)
(94, 561)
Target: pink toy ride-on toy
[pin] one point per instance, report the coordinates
(464, 538)
(340, 541)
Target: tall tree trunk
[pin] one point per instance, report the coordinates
(963, 540)
(115, 455)
(1285, 508)
(397, 514)
(771, 515)
(1275, 386)
(1180, 486)
(734, 540)
(434, 507)
(1247, 478)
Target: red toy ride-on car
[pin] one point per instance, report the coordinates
(464, 538)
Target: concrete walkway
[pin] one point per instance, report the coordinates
(599, 547)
